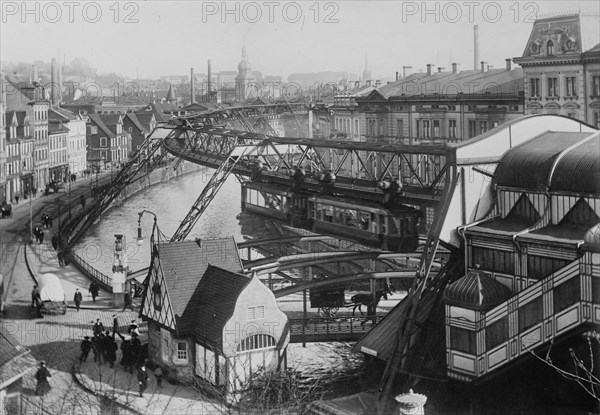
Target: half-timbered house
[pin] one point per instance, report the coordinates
(206, 319)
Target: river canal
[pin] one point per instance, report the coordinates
(333, 364)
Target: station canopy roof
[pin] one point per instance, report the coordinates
(554, 161)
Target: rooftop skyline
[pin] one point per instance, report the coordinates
(155, 38)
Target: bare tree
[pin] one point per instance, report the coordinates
(583, 370)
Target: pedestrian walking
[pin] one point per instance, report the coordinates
(128, 302)
(35, 297)
(61, 258)
(133, 329)
(142, 376)
(17, 199)
(126, 354)
(86, 346)
(110, 349)
(77, 298)
(158, 374)
(115, 326)
(94, 290)
(54, 241)
(42, 375)
(97, 348)
(98, 328)
(82, 201)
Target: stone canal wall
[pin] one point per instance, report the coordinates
(71, 231)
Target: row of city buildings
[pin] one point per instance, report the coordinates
(44, 143)
(559, 73)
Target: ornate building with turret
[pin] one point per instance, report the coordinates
(561, 67)
(244, 78)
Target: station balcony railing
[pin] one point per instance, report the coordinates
(559, 305)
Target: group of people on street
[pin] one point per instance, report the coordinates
(104, 347)
(78, 297)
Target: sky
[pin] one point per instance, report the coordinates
(282, 37)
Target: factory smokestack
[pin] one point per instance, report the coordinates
(475, 47)
(52, 81)
(209, 82)
(192, 90)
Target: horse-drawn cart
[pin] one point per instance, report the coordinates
(328, 300)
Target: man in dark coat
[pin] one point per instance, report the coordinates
(77, 298)
(127, 355)
(128, 302)
(98, 328)
(86, 346)
(94, 291)
(110, 349)
(82, 201)
(42, 376)
(35, 297)
(97, 348)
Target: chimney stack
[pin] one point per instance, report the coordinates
(440, 68)
(406, 70)
(454, 67)
(192, 84)
(52, 81)
(508, 64)
(209, 82)
(428, 69)
(483, 66)
(475, 46)
(356, 84)
(377, 83)
(397, 75)
(368, 82)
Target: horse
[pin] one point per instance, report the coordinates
(358, 300)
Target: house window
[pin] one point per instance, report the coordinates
(550, 48)
(399, 128)
(256, 313)
(463, 340)
(571, 86)
(426, 129)
(130, 129)
(483, 127)
(103, 141)
(566, 294)
(257, 341)
(182, 352)
(436, 128)
(472, 128)
(531, 314)
(553, 87)
(452, 128)
(94, 130)
(451, 107)
(496, 333)
(534, 87)
(596, 86)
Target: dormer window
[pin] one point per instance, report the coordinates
(550, 48)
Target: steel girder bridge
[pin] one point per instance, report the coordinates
(234, 140)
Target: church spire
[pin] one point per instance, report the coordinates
(171, 98)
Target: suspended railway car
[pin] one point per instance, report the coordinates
(367, 223)
(395, 230)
